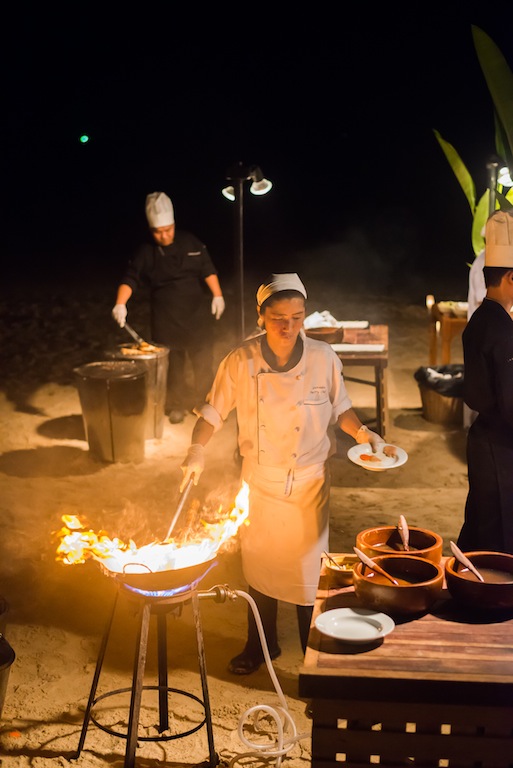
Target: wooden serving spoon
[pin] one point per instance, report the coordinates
(458, 554)
(374, 566)
(404, 533)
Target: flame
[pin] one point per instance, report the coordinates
(76, 544)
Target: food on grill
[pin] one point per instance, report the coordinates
(139, 349)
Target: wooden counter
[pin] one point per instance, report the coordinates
(443, 329)
(438, 689)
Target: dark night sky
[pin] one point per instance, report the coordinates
(338, 109)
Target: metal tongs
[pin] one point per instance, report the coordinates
(181, 502)
(133, 334)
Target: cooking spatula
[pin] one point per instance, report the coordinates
(181, 502)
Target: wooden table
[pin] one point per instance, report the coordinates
(442, 335)
(437, 691)
(378, 361)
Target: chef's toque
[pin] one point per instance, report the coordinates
(159, 210)
(287, 281)
(499, 240)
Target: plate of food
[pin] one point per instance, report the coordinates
(389, 457)
(354, 625)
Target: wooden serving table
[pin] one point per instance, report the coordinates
(449, 327)
(437, 691)
(378, 361)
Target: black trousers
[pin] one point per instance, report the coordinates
(268, 609)
(179, 395)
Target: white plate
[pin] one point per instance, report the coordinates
(354, 625)
(385, 462)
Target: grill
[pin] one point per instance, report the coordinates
(158, 595)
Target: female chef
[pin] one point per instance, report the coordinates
(289, 393)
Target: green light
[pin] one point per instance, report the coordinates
(84, 138)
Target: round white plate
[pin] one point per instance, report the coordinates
(356, 452)
(354, 625)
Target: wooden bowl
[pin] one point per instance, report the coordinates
(496, 593)
(424, 585)
(343, 576)
(330, 335)
(386, 539)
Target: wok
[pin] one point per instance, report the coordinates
(170, 579)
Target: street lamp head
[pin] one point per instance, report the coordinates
(229, 193)
(504, 177)
(260, 185)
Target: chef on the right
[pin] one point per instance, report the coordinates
(488, 389)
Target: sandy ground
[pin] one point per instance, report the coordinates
(56, 614)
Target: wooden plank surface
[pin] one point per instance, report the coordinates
(433, 652)
(375, 334)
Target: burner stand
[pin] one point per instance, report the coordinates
(149, 605)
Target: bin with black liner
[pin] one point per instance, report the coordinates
(113, 396)
(441, 392)
(156, 360)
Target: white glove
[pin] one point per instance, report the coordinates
(365, 435)
(193, 464)
(217, 306)
(119, 314)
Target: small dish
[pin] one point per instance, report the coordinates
(363, 455)
(354, 625)
(343, 574)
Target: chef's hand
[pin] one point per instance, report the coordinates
(119, 314)
(365, 435)
(193, 464)
(217, 306)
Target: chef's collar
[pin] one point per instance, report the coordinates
(270, 357)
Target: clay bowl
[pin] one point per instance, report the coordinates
(424, 582)
(342, 577)
(330, 335)
(386, 539)
(496, 593)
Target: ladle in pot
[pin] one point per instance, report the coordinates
(332, 561)
(374, 566)
(458, 554)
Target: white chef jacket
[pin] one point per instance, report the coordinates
(285, 425)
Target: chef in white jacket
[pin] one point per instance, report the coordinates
(289, 393)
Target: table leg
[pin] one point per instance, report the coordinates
(433, 342)
(382, 416)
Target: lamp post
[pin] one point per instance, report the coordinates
(235, 193)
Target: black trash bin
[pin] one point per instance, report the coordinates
(441, 392)
(113, 396)
(7, 657)
(156, 362)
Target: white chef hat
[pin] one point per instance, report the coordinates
(499, 240)
(287, 281)
(159, 210)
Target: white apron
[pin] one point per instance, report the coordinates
(288, 530)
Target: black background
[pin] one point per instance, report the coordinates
(336, 104)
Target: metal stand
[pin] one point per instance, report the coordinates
(161, 607)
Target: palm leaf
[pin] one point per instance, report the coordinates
(460, 171)
(499, 80)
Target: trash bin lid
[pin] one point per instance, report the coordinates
(111, 369)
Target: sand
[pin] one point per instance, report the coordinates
(56, 614)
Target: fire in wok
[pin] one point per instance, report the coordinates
(155, 566)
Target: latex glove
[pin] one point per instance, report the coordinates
(365, 435)
(218, 306)
(193, 464)
(119, 314)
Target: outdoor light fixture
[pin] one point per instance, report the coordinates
(504, 177)
(235, 193)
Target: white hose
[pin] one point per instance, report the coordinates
(286, 731)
